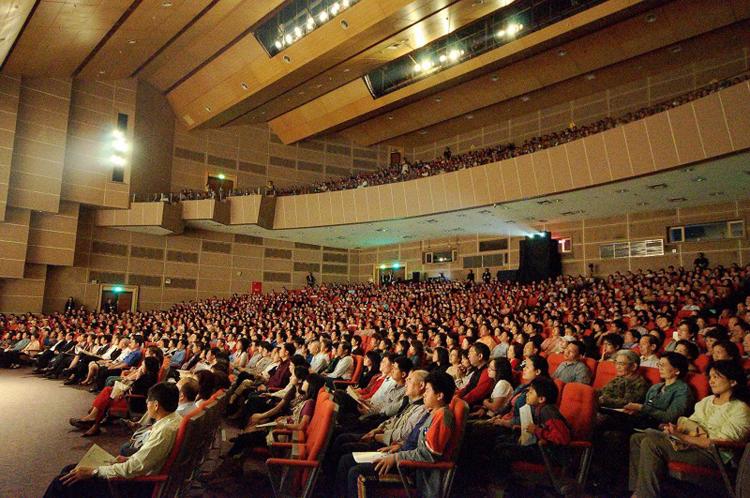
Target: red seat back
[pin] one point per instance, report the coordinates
(358, 362)
(578, 406)
(318, 430)
(605, 372)
(460, 413)
(651, 374)
(698, 382)
(560, 386)
(592, 364)
(702, 362)
(554, 361)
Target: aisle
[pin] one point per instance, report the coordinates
(36, 440)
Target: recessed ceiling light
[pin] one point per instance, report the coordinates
(438, 99)
(131, 42)
(287, 59)
(621, 190)
(658, 186)
(688, 169)
(381, 229)
(344, 24)
(562, 52)
(591, 76)
(677, 199)
(422, 132)
(676, 49)
(208, 109)
(469, 116)
(390, 118)
(525, 98)
(346, 69)
(699, 179)
(650, 18)
(495, 77)
(166, 4)
(244, 86)
(102, 71)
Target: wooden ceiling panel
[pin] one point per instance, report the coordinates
(532, 72)
(224, 22)
(13, 15)
(735, 38)
(464, 71)
(144, 32)
(440, 23)
(61, 34)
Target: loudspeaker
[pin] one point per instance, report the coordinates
(415, 276)
(539, 258)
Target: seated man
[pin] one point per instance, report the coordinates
(342, 367)
(572, 369)
(432, 441)
(162, 402)
(114, 368)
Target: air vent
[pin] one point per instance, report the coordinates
(658, 186)
(677, 199)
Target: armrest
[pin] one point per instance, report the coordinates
(288, 462)
(282, 432)
(342, 382)
(410, 464)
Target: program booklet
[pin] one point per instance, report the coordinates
(96, 457)
(368, 456)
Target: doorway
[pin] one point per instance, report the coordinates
(118, 298)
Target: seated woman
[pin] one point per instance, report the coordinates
(21, 352)
(611, 344)
(140, 386)
(440, 360)
(501, 373)
(723, 416)
(370, 375)
(690, 351)
(301, 404)
(665, 401)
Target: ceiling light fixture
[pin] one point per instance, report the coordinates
(287, 59)
(525, 98)
(658, 186)
(166, 4)
(344, 24)
(495, 77)
(244, 86)
(591, 76)
(621, 190)
(699, 179)
(677, 199)
(650, 18)
(131, 42)
(562, 52)
(676, 49)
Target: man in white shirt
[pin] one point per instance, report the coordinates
(321, 352)
(344, 367)
(648, 344)
(161, 403)
(386, 402)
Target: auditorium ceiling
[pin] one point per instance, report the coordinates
(720, 181)
(204, 55)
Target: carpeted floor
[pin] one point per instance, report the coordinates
(36, 440)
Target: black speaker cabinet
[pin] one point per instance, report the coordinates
(539, 258)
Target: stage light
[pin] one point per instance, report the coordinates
(383, 267)
(323, 16)
(442, 58)
(417, 67)
(118, 160)
(297, 31)
(345, 3)
(335, 8)
(117, 289)
(288, 39)
(310, 23)
(221, 176)
(454, 55)
(278, 44)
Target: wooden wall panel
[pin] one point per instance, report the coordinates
(24, 295)
(543, 173)
(481, 187)
(10, 91)
(579, 166)
(617, 151)
(560, 168)
(39, 145)
(438, 193)
(14, 235)
(712, 125)
(52, 236)
(736, 104)
(686, 136)
(598, 159)
(639, 148)
(661, 140)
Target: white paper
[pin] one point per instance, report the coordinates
(526, 420)
(268, 425)
(96, 457)
(367, 456)
(119, 389)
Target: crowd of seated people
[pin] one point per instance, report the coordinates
(394, 356)
(452, 162)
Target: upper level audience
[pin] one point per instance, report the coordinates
(447, 162)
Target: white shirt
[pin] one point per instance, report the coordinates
(502, 389)
(151, 457)
(344, 368)
(319, 362)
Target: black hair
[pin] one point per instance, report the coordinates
(678, 362)
(166, 394)
(374, 359)
(481, 349)
(653, 340)
(442, 383)
(691, 325)
(692, 349)
(152, 365)
(545, 388)
(614, 339)
(289, 348)
(442, 356)
(732, 350)
(503, 370)
(734, 372)
(301, 372)
(189, 389)
(315, 383)
(206, 383)
(580, 345)
(347, 347)
(404, 364)
(540, 363)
